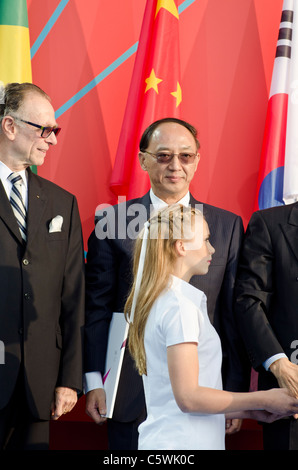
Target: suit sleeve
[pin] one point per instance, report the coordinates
(101, 290)
(72, 306)
(255, 292)
(236, 368)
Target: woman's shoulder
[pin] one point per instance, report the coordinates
(178, 300)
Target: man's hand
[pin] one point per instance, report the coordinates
(233, 425)
(64, 401)
(96, 405)
(286, 374)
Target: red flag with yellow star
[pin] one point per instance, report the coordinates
(155, 93)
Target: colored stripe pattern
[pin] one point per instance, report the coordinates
(15, 60)
(17, 203)
(278, 173)
(285, 35)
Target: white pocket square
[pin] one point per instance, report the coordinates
(56, 224)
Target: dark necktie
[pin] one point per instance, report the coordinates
(17, 203)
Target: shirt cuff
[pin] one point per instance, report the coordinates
(272, 359)
(92, 380)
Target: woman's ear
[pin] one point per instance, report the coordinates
(180, 248)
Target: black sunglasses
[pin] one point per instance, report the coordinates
(45, 131)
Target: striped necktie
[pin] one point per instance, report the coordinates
(17, 203)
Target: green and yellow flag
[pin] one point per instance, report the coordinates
(15, 60)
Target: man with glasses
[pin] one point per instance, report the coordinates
(45, 131)
(169, 153)
(41, 276)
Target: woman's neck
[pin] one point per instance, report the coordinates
(181, 271)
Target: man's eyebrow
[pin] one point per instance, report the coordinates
(183, 147)
(51, 125)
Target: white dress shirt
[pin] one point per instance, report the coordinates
(179, 315)
(4, 174)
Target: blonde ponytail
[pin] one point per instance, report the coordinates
(165, 228)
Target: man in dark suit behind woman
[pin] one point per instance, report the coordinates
(169, 153)
(41, 277)
(266, 309)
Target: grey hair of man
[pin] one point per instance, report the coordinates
(13, 95)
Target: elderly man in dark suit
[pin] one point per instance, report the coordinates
(266, 308)
(169, 153)
(42, 277)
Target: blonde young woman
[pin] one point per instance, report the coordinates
(176, 349)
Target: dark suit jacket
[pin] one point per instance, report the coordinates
(41, 296)
(267, 287)
(108, 280)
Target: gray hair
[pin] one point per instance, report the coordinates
(12, 96)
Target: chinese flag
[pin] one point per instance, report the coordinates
(278, 174)
(155, 93)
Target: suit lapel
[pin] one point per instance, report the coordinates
(137, 213)
(7, 215)
(291, 229)
(36, 205)
(146, 202)
(202, 208)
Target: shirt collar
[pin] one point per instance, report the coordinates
(159, 203)
(189, 291)
(5, 172)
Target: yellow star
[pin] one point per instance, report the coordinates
(152, 81)
(169, 5)
(177, 94)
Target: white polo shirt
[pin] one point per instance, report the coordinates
(180, 315)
